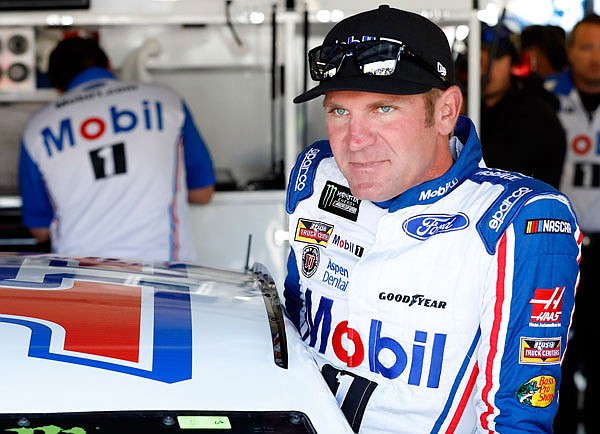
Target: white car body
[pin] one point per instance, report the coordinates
(87, 342)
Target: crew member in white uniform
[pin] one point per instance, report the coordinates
(108, 168)
(578, 90)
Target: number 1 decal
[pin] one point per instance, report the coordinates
(109, 160)
(586, 175)
(351, 391)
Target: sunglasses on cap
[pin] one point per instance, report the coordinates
(376, 57)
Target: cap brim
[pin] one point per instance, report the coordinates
(365, 84)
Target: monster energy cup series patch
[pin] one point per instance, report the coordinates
(338, 200)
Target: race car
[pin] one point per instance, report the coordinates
(99, 345)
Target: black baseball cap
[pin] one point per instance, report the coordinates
(423, 37)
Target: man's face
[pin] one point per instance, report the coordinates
(499, 78)
(584, 55)
(381, 142)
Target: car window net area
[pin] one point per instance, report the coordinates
(151, 422)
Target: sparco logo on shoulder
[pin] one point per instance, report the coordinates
(303, 170)
(506, 205)
(425, 226)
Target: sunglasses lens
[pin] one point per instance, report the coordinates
(325, 61)
(377, 58)
(372, 57)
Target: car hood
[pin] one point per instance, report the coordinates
(92, 334)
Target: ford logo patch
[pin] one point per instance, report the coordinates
(425, 226)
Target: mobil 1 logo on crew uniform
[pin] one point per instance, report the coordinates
(108, 158)
(337, 199)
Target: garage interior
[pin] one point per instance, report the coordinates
(239, 63)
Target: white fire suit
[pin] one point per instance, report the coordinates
(444, 310)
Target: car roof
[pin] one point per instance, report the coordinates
(106, 335)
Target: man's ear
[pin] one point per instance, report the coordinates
(448, 109)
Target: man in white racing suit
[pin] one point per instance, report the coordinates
(435, 294)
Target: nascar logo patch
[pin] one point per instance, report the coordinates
(548, 226)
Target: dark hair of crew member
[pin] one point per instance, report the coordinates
(72, 56)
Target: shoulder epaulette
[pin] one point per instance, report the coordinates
(300, 184)
(518, 189)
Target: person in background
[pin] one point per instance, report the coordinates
(578, 90)
(434, 293)
(544, 48)
(520, 130)
(108, 168)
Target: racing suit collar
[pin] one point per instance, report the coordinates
(560, 83)
(93, 73)
(466, 149)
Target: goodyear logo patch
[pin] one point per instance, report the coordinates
(338, 200)
(539, 351)
(313, 232)
(548, 226)
(537, 392)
